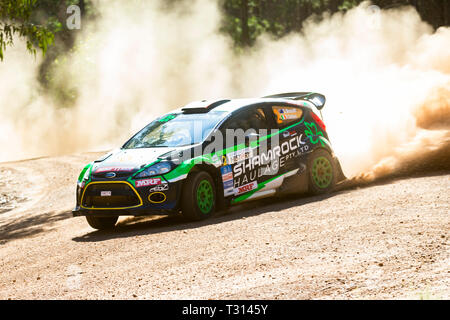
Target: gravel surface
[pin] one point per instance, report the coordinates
(386, 240)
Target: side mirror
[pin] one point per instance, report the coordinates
(249, 137)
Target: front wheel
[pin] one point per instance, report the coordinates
(102, 223)
(322, 176)
(198, 197)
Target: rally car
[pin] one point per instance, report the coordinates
(209, 155)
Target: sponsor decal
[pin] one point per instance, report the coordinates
(239, 156)
(290, 110)
(162, 187)
(246, 188)
(216, 160)
(269, 170)
(262, 159)
(228, 185)
(105, 193)
(291, 133)
(227, 178)
(313, 133)
(268, 163)
(147, 182)
(288, 116)
(113, 169)
(287, 113)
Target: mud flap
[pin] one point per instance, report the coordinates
(296, 184)
(340, 174)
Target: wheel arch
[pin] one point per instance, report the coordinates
(327, 147)
(214, 172)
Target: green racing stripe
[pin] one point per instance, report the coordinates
(260, 186)
(87, 168)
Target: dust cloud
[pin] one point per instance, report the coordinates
(386, 75)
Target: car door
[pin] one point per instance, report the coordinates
(242, 166)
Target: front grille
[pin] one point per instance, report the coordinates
(122, 196)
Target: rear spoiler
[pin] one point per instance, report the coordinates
(317, 99)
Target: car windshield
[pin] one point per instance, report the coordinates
(175, 130)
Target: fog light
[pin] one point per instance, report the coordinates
(157, 197)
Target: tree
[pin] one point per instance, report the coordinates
(245, 20)
(15, 18)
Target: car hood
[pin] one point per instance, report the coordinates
(128, 160)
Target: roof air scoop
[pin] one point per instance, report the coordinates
(203, 106)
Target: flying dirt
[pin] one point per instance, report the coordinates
(378, 82)
(383, 234)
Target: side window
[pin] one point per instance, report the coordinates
(286, 115)
(251, 119)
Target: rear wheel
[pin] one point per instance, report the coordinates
(322, 176)
(102, 223)
(198, 197)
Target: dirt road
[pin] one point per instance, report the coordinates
(386, 240)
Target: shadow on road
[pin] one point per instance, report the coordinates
(30, 226)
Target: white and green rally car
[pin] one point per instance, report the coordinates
(209, 155)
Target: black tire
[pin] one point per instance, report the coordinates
(321, 172)
(102, 223)
(190, 206)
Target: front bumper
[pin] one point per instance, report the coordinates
(105, 198)
(143, 211)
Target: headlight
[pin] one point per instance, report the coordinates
(78, 194)
(82, 183)
(156, 169)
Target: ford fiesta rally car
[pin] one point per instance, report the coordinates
(209, 155)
